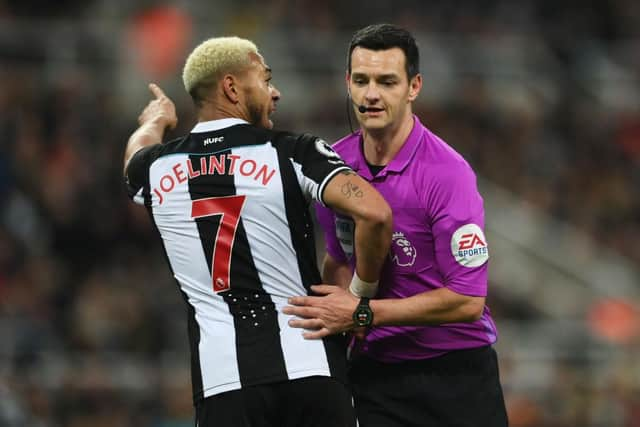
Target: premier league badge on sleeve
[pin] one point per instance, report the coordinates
(469, 246)
(345, 229)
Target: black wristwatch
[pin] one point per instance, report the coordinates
(363, 316)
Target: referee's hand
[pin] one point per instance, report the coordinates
(160, 110)
(328, 314)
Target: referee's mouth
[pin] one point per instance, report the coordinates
(373, 109)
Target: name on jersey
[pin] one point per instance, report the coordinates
(223, 164)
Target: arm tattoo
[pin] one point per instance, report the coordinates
(350, 189)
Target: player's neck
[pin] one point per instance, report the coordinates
(382, 145)
(216, 111)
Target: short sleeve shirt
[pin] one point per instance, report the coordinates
(438, 241)
(230, 202)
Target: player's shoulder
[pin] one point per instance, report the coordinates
(143, 158)
(283, 135)
(347, 146)
(146, 155)
(173, 145)
(286, 138)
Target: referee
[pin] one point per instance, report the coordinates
(230, 201)
(426, 357)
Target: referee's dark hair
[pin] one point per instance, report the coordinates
(387, 36)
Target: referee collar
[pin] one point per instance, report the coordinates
(213, 125)
(402, 158)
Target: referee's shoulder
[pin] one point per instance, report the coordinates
(345, 145)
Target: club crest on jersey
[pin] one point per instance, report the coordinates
(326, 150)
(403, 253)
(469, 246)
(345, 228)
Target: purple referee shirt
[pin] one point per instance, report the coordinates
(438, 240)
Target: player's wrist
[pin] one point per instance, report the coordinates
(362, 288)
(158, 121)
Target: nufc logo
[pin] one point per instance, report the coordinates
(213, 140)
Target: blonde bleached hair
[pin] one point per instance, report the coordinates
(211, 59)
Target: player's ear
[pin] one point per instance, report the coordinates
(230, 88)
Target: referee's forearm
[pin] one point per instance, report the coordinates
(434, 307)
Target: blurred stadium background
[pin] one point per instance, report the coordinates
(542, 97)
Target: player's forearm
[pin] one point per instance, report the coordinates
(428, 308)
(372, 239)
(158, 115)
(149, 133)
(351, 195)
(336, 273)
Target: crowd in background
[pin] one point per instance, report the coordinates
(92, 327)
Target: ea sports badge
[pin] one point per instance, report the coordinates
(469, 246)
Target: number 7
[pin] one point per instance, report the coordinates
(229, 208)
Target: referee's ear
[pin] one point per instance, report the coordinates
(415, 85)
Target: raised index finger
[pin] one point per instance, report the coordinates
(155, 89)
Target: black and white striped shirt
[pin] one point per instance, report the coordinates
(230, 202)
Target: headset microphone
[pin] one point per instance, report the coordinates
(360, 107)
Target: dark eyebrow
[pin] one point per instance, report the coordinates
(387, 76)
(377, 76)
(267, 69)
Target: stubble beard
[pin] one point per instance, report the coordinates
(255, 115)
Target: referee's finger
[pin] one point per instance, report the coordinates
(325, 289)
(301, 311)
(155, 89)
(316, 335)
(302, 301)
(311, 324)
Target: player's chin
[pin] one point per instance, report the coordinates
(268, 124)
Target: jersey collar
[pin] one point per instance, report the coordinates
(213, 125)
(402, 157)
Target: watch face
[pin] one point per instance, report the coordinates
(362, 316)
